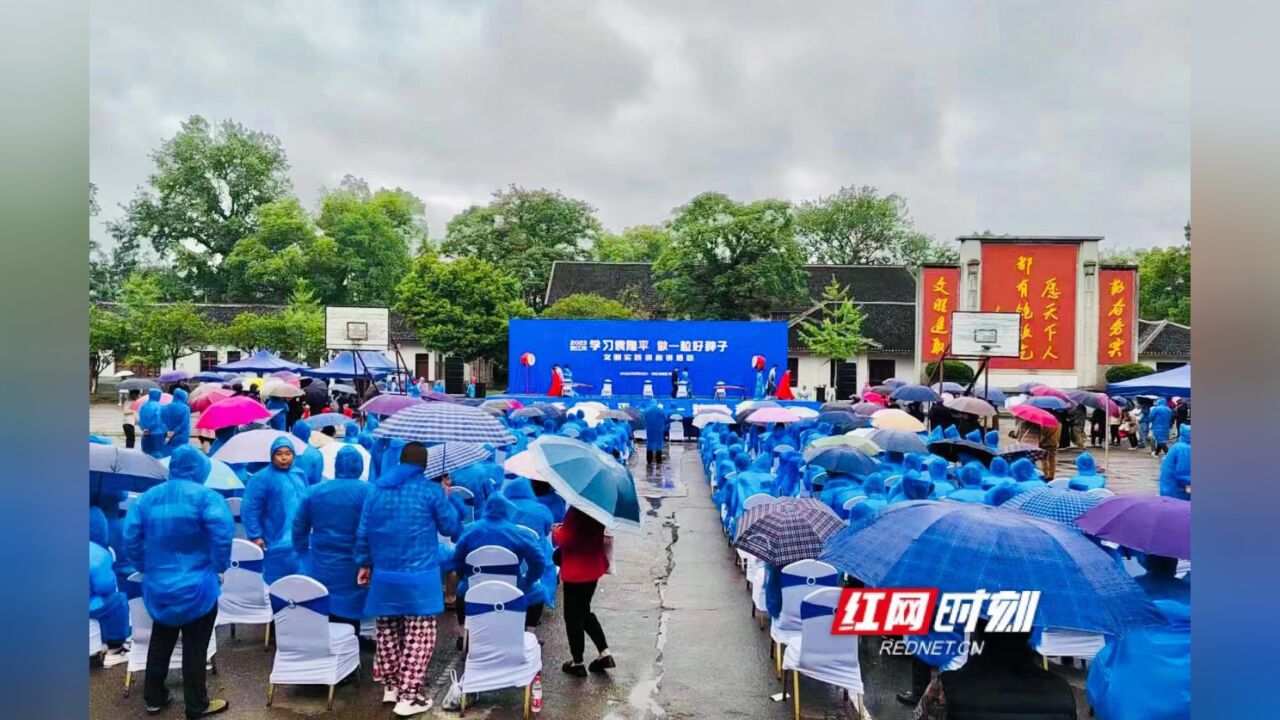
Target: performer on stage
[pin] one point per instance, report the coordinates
(759, 391)
(675, 380)
(684, 378)
(771, 386)
(567, 376)
(784, 386)
(557, 382)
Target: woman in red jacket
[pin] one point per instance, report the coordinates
(580, 540)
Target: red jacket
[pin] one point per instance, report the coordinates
(581, 543)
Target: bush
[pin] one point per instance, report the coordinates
(1120, 373)
(955, 371)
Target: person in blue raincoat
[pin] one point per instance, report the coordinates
(151, 424)
(279, 406)
(1160, 581)
(914, 487)
(310, 463)
(1023, 478)
(655, 429)
(324, 535)
(350, 433)
(789, 464)
(1175, 469)
(177, 421)
(1087, 476)
(481, 478)
(496, 527)
(997, 473)
(397, 551)
(271, 499)
(970, 485)
(108, 605)
(1145, 673)
(992, 439)
(1161, 421)
(758, 392)
(178, 535)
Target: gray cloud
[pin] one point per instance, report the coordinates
(1030, 118)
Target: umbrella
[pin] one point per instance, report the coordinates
(786, 530)
(528, 412)
(865, 409)
(842, 420)
(1097, 401)
(221, 476)
(201, 402)
(841, 459)
(122, 373)
(895, 419)
(231, 412)
(330, 454)
(329, 419)
(1026, 388)
(884, 390)
(205, 387)
(254, 446)
(915, 393)
(165, 399)
(548, 409)
(715, 407)
(963, 547)
(444, 458)
(873, 397)
(972, 406)
(804, 412)
(1057, 504)
(1020, 450)
(263, 361)
(896, 382)
(764, 416)
(839, 406)
(436, 422)
(116, 469)
(211, 377)
(702, 420)
(280, 389)
(389, 404)
(342, 388)
(173, 376)
(585, 477)
(612, 414)
(1147, 523)
(433, 396)
(991, 395)
(142, 384)
(1046, 391)
(954, 388)
(856, 442)
(959, 450)
(1047, 402)
(897, 441)
(1034, 415)
(502, 404)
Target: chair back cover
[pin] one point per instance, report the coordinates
(798, 580)
(244, 593)
(757, 499)
(824, 655)
(301, 606)
(489, 563)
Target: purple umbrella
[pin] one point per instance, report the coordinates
(434, 396)
(174, 376)
(1147, 523)
(389, 404)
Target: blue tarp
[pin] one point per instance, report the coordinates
(345, 365)
(263, 361)
(1166, 384)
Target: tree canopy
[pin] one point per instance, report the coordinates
(641, 243)
(1164, 279)
(858, 226)
(586, 306)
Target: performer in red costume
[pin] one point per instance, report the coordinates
(784, 387)
(557, 382)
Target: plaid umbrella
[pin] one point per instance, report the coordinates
(787, 530)
(1020, 450)
(963, 547)
(447, 457)
(1056, 504)
(437, 422)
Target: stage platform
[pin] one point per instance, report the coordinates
(682, 406)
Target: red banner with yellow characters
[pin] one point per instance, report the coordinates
(1037, 281)
(940, 294)
(1117, 328)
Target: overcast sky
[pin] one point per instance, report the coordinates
(1015, 117)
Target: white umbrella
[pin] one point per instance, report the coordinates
(330, 454)
(254, 446)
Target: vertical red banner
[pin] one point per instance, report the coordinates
(1037, 281)
(940, 292)
(1117, 324)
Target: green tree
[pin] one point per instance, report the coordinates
(1164, 283)
(267, 266)
(731, 261)
(588, 306)
(167, 332)
(296, 332)
(373, 235)
(858, 226)
(109, 342)
(523, 232)
(838, 334)
(461, 307)
(642, 243)
(209, 181)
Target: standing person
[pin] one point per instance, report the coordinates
(280, 407)
(557, 382)
(688, 383)
(271, 499)
(1182, 415)
(130, 418)
(151, 422)
(1175, 469)
(567, 374)
(655, 431)
(758, 393)
(397, 551)
(1079, 416)
(1144, 422)
(1161, 419)
(324, 535)
(1050, 439)
(675, 380)
(1097, 428)
(582, 562)
(177, 420)
(178, 535)
(771, 385)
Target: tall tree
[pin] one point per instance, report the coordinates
(374, 233)
(1164, 283)
(523, 232)
(731, 261)
(858, 226)
(461, 307)
(209, 181)
(642, 243)
(838, 334)
(167, 332)
(109, 342)
(267, 266)
(586, 306)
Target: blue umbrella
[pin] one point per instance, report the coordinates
(437, 422)
(1026, 388)
(587, 478)
(897, 441)
(1057, 504)
(116, 469)
(991, 395)
(263, 361)
(843, 459)
(173, 376)
(949, 387)
(1048, 402)
(210, 377)
(221, 476)
(963, 547)
(896, 382)
(329, 419)
(842, 420)
(915, 393)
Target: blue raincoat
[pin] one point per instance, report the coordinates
(107, 604)
(398, 538)
(177, 420)
(992, 439)
(324, 533)
(1161, 420)
(655, 427)
(310, 463)
(281, 409)
(99, 531)
(1086, 477)
(527, 509)
(350, 432)
(1145, 673)
(970, 485)
(496, 527)
(1160, 581)
(1175, 469)
(914, 487)
(178, 535)
(151, 424)
(789, 464)
(997, 473)
(482, 478)
(271, 500)
(759, 389)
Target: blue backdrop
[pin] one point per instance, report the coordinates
(630, 351)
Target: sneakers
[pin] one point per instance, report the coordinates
(117, 656)
(157, 709)
(602, 663)
(417, 706)
(578, 670)
(390, 696)
(215, 706)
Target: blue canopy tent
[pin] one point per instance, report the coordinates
(346, 365)
(263, 361)
(1165, 384)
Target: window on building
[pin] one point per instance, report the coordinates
(208, 358)
(233, 355)
(881, 370)
(793, 367)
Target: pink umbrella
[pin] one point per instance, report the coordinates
(165, 399)
(1043, 390)
(205, 399)
(231, 412)
(1035, 415)
(767, 415)
(873, 397)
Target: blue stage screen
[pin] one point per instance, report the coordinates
(630, 351)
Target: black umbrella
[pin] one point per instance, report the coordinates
(138, 384)
(962, 451)
(836, 405)
(842, 420)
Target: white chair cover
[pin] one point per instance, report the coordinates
(95, 638)
(755, 576)
(798, 580)
(233, 504)
(1072, 643)
(468, 498)
(310, 650)
(491, 563)
(141, 638)
(244, 594)
(848, 504)
(817, 653)
(500, 653)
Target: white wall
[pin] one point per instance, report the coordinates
(814, 371)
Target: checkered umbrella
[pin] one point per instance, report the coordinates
(438, 422)
(787, 530)
(447, 457)
(1057, 504)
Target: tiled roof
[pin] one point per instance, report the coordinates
(1164, 339)
(891, 325)
(609, 280)
(223, 313)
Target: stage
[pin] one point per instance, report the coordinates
(684, 407)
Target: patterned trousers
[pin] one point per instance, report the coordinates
(405, 644)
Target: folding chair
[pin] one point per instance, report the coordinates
(244, 593)
(501, 654)
(141, 621)
(96, 646)
(233, 504)
(798, 580)
(817, 653)
(310, 650)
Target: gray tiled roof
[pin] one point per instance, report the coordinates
(1164, 339)
(891, 325)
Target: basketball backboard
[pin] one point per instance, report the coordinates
(355, 328)
(986, 334)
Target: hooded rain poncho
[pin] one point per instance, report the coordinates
(271, 500)
(177, 420)
(151, 424)
(1175, 469)
(310, 463)
(324, 533)
(1161, 420)
(496, 527)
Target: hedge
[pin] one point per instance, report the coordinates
(955, 371)
(1120, 373)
